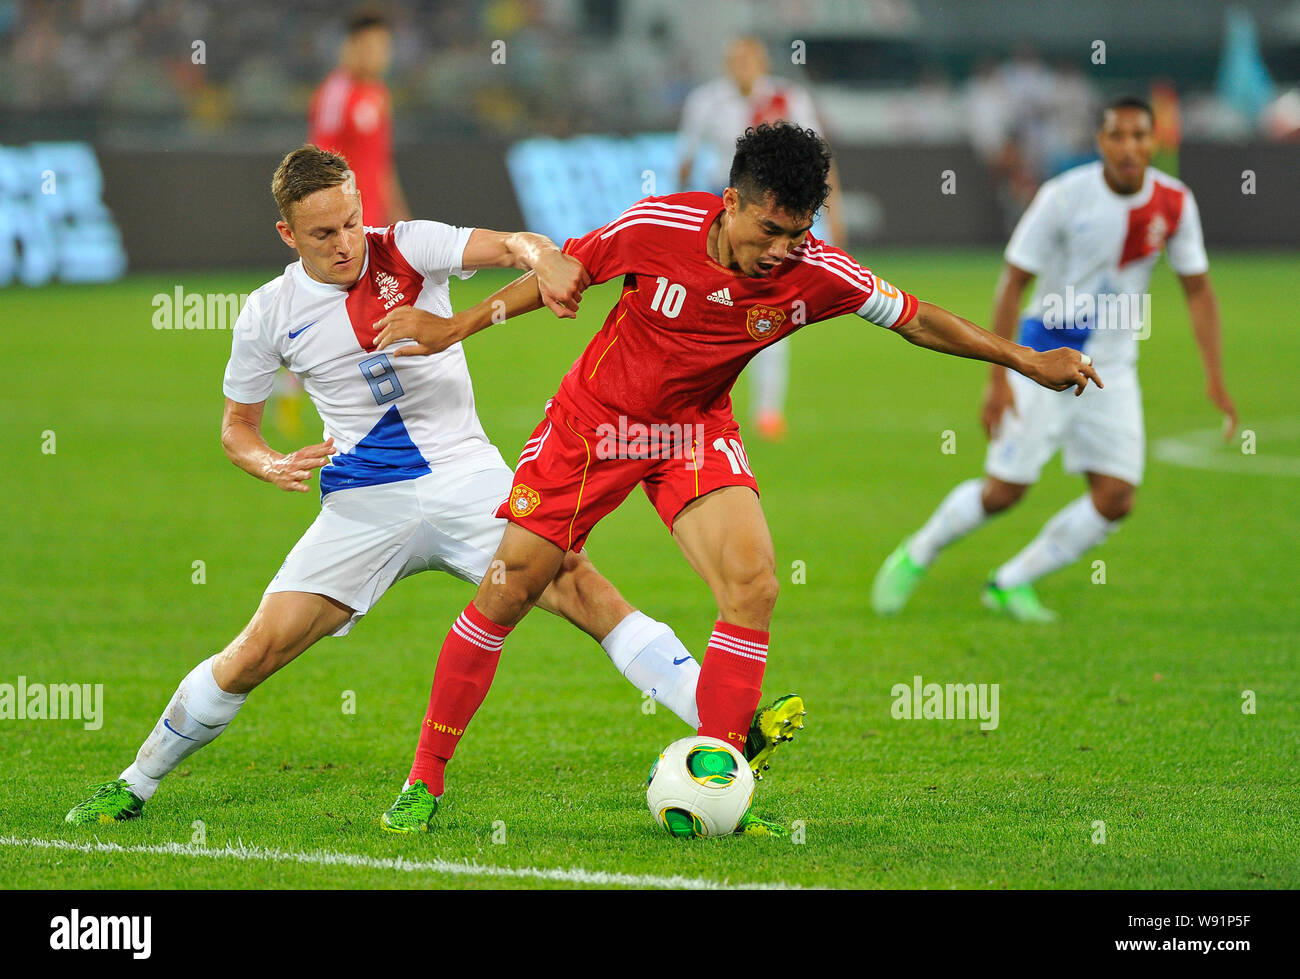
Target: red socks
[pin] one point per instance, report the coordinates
(466, 665)
(731, 682)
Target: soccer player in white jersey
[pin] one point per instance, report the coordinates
(715, 115)
(409, 481)
(1091, 236)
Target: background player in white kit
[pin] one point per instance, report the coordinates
(714, 116)
(1091, 236)
(409, 480)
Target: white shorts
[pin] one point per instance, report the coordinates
(1101, 431)
(368, 537)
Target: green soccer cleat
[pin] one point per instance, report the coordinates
(412, 810)
(751, 825)
(111, 802)
(895, 581)
(1020, 603)
(772, 726)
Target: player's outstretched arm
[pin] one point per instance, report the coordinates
(1203, 308)
(937, 329)
(241, 437)
(434, 334)
(560, 278)
(998, 397)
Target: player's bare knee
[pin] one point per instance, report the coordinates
(751, 590)
(579, 584)
(1114, 505)
(259, 652)
(998, 496)
(507, 597)
(249, 660)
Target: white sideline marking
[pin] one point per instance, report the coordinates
(325, 858)
(1204, 449)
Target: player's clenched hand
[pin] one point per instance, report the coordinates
(1220, 398)
(292, 472)
(1063, 368)
(998, 400)
(561, 279)
(432, 334)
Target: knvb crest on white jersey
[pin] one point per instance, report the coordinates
(391, 419)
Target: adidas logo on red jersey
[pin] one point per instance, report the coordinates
(721, 296)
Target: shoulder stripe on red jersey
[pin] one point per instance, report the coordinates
(657, 205)
(682, 216)
(854, 280)
(661, 220)
(842, 261)
(680, 212)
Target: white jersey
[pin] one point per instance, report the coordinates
(717, 114)
(391, 420)
(1092, 251)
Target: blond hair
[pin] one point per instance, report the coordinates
(305, 171)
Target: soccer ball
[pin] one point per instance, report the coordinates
(699, 787)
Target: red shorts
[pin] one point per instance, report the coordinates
(570, 475)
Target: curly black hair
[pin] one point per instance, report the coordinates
(1127, 102)
(786, 162)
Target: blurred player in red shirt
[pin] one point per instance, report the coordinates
(351, 114)
(707, 282)
(715, 115)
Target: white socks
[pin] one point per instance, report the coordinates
(199, 710)
(1063, 540)
(769, 374)
(651, 656)
(960, 512)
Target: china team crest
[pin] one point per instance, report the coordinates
(763, 321)
(523, 500)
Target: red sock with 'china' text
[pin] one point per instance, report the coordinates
(731, 682)
(466, 665)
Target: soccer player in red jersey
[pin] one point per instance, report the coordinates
(708, 282)
(351, 114)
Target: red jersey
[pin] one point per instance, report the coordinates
(354, 118)
(685, 327)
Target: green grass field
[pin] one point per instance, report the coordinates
(1129, 712)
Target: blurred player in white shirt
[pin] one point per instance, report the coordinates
(409, 481)
(715, 115)
(1091, 236)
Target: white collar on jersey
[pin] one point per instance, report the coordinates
(1129, 200)
(764, 87)
(326, 288)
